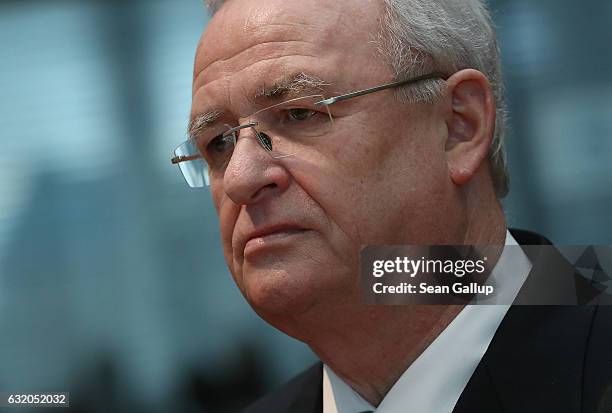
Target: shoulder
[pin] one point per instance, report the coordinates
(556, 356)
(303, 393)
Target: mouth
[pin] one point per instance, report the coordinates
(271, 237)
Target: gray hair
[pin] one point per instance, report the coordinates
(422, 36)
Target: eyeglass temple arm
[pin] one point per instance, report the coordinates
(183, 158)
(329, 101)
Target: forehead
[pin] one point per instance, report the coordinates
(257, 41)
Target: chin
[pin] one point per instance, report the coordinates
(278, 292)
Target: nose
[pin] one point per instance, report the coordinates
(252, 174)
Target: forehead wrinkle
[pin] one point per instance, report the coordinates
(255, 53)
(272, 44)
(251, 80)
(318, 22)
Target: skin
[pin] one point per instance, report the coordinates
(389, 173)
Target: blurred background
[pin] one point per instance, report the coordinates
(112, 281)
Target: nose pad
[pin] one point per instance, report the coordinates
(265, 141)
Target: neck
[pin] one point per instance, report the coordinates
(371, 355)
(370, 347)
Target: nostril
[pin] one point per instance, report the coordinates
(262, 190)
(265, 141)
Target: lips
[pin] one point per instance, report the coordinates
(274, 230)
(271, 233)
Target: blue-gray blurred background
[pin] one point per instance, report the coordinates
(112, 282)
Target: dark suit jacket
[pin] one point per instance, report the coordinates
(541, 359)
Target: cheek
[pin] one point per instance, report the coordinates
(378, 187)
(366, 144)
(326, 181)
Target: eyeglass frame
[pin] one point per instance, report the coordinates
(325, 102)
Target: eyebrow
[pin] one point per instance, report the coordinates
(201, 122)
(293, 84)
(288, 85)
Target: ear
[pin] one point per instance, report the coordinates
(470, 122)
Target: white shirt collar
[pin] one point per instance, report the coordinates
(436, 379)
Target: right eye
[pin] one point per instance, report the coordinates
(219, 150)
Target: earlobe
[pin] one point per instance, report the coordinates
(471, 124)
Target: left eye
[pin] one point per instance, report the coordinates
(300, 114)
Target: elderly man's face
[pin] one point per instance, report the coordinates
(292, 228)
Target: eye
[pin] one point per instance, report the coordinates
(221, 144)
(219, 150)
(301, 114)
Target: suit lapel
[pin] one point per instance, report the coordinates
(480, 395)
(534, 362)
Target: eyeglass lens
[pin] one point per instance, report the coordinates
(282, 130)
